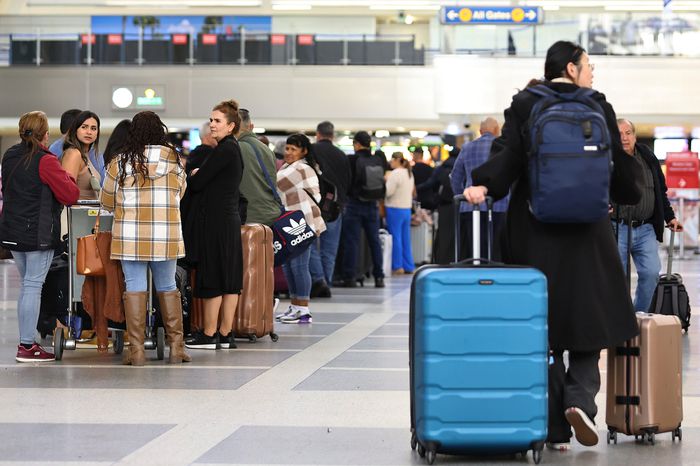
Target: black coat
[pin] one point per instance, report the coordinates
(589, 303)
(663, 212)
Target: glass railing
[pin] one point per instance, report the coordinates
(209, 49)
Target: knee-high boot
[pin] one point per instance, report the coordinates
(135, 310)
(171, 309)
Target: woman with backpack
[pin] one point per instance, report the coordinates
(400, 187)
(589, 303)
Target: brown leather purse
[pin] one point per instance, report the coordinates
(87, 258)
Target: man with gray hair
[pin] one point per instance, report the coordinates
(262, 206)
(201, 153)
(334, 179)
(646, 219)
(473, 155)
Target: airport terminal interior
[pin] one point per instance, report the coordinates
(419, 76)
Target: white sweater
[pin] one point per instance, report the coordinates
(399, 189)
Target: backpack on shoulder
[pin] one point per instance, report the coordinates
(570, 159)
(329, 205)
(371, 172)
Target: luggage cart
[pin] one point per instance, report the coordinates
(81, 220)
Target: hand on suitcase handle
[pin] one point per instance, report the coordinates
(475, 194)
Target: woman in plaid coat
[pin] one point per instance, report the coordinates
(143, 186)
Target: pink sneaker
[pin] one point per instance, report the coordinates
(34, 354)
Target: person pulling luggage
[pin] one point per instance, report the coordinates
(589, 306)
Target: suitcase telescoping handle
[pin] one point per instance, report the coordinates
(670, 253)
(476, 228)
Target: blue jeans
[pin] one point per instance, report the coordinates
(296, 271)
(33, 267)
(645, 253)
(398, 222)
(363, 215)
(323, 253)
(163, 275)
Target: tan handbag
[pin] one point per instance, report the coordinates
(87, 257)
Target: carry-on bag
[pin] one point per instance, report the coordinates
(644, 391)
(254, 317)
(478, 357)
(670, 296)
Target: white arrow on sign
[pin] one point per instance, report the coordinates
(531, 15)
(452, 15)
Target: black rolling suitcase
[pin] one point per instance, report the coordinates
(670, 296)
(54, 299)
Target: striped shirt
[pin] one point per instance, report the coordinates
(146, 212)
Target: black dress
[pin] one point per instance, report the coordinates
(217, 234)
(589, 304)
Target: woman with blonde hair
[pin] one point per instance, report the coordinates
(34, 189)
(82, 137)
(143, 186)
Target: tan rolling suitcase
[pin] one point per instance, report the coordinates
(644, 394)
(254, 317)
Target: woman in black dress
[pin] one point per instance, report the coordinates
(216, 236)
(589, 304)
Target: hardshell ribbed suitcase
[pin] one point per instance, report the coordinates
(479, 359)
(254, 317)
(645, 394)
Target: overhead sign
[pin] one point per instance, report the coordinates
(138, 97)
(682, 170)
(490, 15)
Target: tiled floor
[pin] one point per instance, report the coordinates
(332, 393)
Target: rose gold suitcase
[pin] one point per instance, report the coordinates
(254, 317)
(644, 395)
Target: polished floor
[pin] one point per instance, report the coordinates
(331, 393)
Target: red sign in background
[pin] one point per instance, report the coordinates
(114, 39)
(179, 39)
(85, 37)
(682, 170)
(209, 39)
(278, 39)
(305, 39)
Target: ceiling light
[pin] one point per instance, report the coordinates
(418, 134)
(382, 133)
(122, 97)
(257, 130)
(291, 6)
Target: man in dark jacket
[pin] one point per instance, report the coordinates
(422, 173)
(646, 218)
(334, 168)
(362, 210)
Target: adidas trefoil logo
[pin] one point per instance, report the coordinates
(295, 228)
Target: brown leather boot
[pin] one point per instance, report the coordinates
(171, 310)
(135, 311)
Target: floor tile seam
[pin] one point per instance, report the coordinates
(364, 369)
(297, 368)
(181, 445)
(182, 367)
(387, 336)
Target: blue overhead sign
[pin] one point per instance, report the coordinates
(490, 15)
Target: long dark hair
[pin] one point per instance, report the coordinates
(559, 55)
(32, 129)
(116, 140)
(72, 140)
(301, 141)
(146, 129)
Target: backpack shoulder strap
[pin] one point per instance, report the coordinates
(542, 91)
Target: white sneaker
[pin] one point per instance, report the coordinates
(288, 312)
(584, 428)
(275, 303)
(297, 317)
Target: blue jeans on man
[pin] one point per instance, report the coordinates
(645, 254)
(33, 267)
(361, 215)
(324, 252)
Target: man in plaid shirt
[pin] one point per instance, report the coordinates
(472, 155)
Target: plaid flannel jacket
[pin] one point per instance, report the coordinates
(146, 212)
(294, 183)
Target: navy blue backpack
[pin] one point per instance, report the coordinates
(570, 159)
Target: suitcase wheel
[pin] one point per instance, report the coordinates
(414, 441)
(421, 450)
(612, 437)
(677, 434)
(651, 437)
(252, 337)
(274, 337)
(118, 343)
(58, 343)
(537, 456)
(430, 456)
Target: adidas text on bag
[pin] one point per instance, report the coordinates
(570, 159)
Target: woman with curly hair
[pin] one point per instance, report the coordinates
(143, 186)
(82, 137)
(215, 243)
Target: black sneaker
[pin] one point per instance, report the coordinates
(227, 341)
(346, 283)
(200, 340)
(320, 289)
(379, 283)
